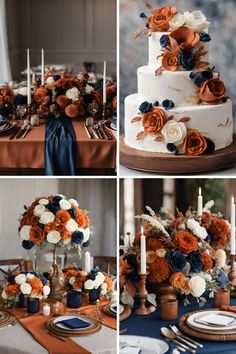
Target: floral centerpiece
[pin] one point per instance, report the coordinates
(26, 284)
(7, 100)
(100, 281)
(75, 277)
(184, 251)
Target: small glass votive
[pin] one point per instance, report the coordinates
(46, 309)
(58, 309)
(169, 309)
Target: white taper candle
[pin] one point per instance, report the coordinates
(42, 69)
(87, 264)
(104, 82)
(143, 253)
(199, 202)
(28, 78)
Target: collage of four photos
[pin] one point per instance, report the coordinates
(117, 177)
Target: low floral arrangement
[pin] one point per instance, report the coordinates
(7, 100)
(54, 221)
(99, 280)
(179, 139)
(182, 251)
(74, 277)
(29, 284)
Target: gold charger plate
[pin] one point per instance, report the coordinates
(73, 333)
(106, 309)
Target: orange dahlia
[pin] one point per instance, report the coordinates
(159, 270)
(12, 289)
(185, 242)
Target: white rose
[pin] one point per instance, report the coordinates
(196, 20)
(72, 280)
(4, 295)
(104, 286)
(25, 288)
(39, 209)
(22, 91)
(220, 257)
(197, 229)
(89, 284)
(100, 278)
(64, 204)
(50, 81)
(174, 132)
(88, 89)
(86, 233)
(71, 225)
(46, 218)
(25, 232)
(46, 291)
(20, 279)
(103, 292)
(73, 94)
(161, 252)
(176, 21)
(44, 201)
(53, 237)
(73, 202)
(197, 285)
(30, 276)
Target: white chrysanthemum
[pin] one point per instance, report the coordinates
(30, 276)
(176, 21)
(197, 229)
(50, 81)
(196, 20)
(22, 91)
(20, 279)
(220, 256)
(53, 237)
(46, 218)
(4, 295)
(44, 201)
(88, 89)
(89, 284)
(26, 288)
(71, 225)
(73, 202)
(73, 94)
(72, 280)
(64, 204)
(25, 232)
(197, 285)
(39, 209)
(46, 291)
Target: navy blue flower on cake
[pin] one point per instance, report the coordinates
(156, 104)
(145, 107)
(204, 37)
(186, 59)
(210, 146)
(171, 147)
(164, 41)
(167, 104)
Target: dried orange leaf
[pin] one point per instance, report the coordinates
(184, 120)
(136, 119)
(159, 138)
(140, 136)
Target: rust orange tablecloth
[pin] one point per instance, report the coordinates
(29, 152)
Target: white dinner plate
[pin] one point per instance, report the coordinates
(191, 322)
(1, 315)
(147, 345)
(63, 318)
(114, 306)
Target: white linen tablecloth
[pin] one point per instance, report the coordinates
(16, 340)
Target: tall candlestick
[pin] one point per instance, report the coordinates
(143, 253)
(42, 70)
(104, 82)
(87, 264)
(28, 78)
(199, 202)
(232, 234)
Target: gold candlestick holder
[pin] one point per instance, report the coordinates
(143, 310)
(232, 275)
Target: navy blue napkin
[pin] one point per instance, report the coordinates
(60, 148)
(74, 323)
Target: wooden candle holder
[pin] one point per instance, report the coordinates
(232, 275)
(143, 310)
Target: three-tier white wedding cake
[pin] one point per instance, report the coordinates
(181, 106)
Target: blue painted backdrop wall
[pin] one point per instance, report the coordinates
(134, 53)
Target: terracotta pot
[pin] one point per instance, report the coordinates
(169, 309)
(221, 297)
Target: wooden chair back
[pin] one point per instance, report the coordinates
(13, 265)
(107, 264)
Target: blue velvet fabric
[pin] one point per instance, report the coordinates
(150, 326)
(60, 147)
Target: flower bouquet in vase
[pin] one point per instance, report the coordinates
(98, 284)
(55, 222)
(74, 280)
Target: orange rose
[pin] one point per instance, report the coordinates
(206, 261)
(37, 286)
(37, 235)
(63, 216)
(159, 270)
(40, 95)
(184, 38)
(160, 18)
(25, 220)
(212, 90)
(185, 242)
(81, 219)
(63, 101)
(179, 281)
(51, 226)
(194, 143)
(12, 289)
(154, 120)
(34, 220)
(109, 283)
(220, 232)
(79, 280)
(170, 61)
(70, 273)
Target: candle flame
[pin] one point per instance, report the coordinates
(232, 199)
(199, 191)
(141, 230)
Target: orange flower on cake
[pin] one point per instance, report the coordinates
(170, 61)
(160, 18)
(153, 121)
(212, 91)
(194, 143)
(183, 38)
(185, 242)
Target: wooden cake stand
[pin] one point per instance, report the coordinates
(176, 164)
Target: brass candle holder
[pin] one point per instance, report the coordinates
(143, 310)
(232, 275)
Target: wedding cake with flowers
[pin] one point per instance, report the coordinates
(181, 106)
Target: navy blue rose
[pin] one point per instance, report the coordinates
(43, 279)
(4, 111)
(207, 74)
(156, 104)
(171, 147)
(54, 207)
(210, 147)
(221, 278)
(167, 104)
(145, 107)
(72, 212)
(20, 99)
(10, 278)
(132, 261)
(194, 259)
(176, 260)
(164, 41)
(186, 59)
(86, 244)
(198, 80)
(77, 237)
(142, 15)
(57, 198)
(147, 25)
(204, 37)
(192, 75)
(56, 77)
(41, 225)
(27, 244)
(92, 276)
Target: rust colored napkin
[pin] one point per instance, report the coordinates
(228, 308)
